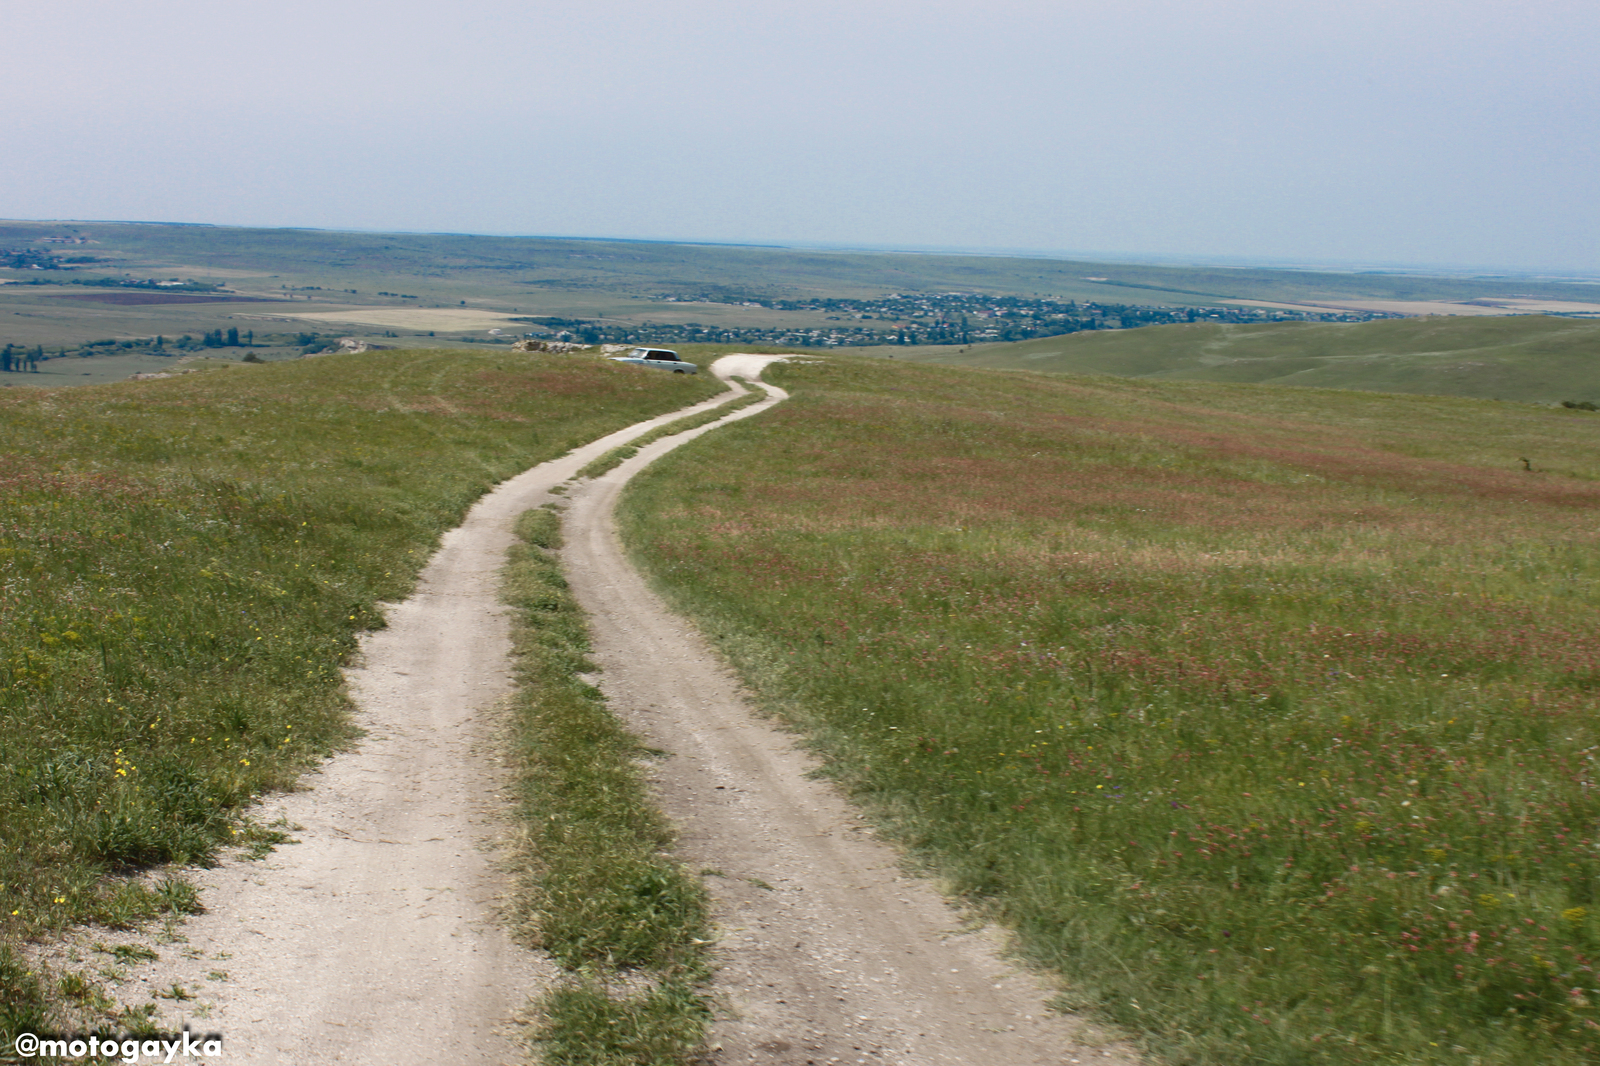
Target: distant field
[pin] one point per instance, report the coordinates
(1267, 716)
(457, 287)
(441, 265)
(599, 277)
(136, 299)
(93, 370)
(434, 318)
(1527, 357)
(1473, 308)
(54, 317)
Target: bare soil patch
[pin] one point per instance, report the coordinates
(449, 318)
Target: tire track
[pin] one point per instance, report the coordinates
(829, 953)
(375, 939)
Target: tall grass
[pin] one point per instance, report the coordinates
(617, 456)
(185, 564)
(1265, 716)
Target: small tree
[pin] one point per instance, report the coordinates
(233, 336)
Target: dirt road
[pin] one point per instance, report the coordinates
(829, 953)
(374, 939)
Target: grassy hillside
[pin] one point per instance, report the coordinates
(1525, 357)
(1266, 716)
(184, 565)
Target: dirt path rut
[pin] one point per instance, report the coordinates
(829, 953)
(374, 939)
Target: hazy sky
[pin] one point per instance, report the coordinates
(1448, 132)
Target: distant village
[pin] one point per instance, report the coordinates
(923, 318)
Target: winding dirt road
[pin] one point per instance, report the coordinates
(375, 938)
(829, 952)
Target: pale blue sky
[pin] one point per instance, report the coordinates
(1450, 132)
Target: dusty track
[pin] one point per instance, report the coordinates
(375, 939)
(830, 954)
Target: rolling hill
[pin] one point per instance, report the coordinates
(1536, 358)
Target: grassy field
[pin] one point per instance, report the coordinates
(1265, 716)
(184, 565)
(1525, 357)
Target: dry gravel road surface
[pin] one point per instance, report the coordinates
(375, 939)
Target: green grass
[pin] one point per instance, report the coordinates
(1265, 716)
(1524, 357)
(617, 456)
(186, 563)
(626, 924)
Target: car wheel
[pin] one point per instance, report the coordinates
(680, 371)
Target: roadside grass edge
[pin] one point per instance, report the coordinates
(617, 456)
(184, 566)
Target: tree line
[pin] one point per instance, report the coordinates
(15, 358)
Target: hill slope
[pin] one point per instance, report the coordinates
(1264, 715)
(1526, 357)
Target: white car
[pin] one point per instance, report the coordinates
(663, 358)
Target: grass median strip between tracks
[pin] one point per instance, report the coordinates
(600, 893)
(184, 566)
(617, 456)
(1265, 716)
